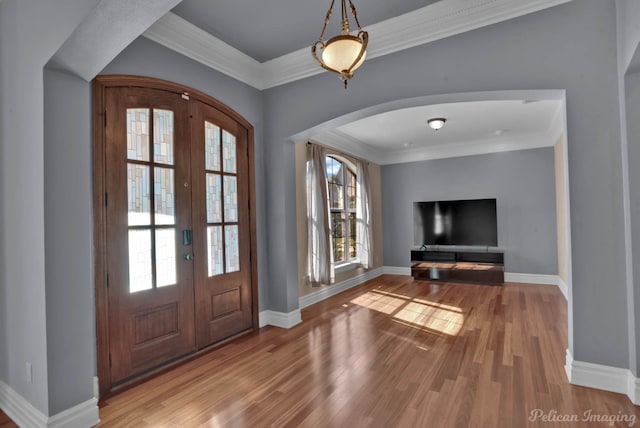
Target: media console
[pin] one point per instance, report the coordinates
(481, 266)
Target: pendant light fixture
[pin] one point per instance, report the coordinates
(344, 53)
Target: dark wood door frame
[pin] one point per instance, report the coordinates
(100, 84)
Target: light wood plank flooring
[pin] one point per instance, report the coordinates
(390, 353)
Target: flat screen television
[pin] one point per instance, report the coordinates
(466, 222)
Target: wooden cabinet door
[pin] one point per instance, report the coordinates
(220, 177)
(148, 206)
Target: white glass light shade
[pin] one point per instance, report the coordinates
(436, 123)
(341, 51)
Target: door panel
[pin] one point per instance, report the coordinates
(220, 176)
(148, 204)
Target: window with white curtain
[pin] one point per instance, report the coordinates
(338, 214)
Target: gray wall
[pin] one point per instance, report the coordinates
(633, 137)
(28, 38)
(521, 181)
(570, 47)
(627, 12)
(71, 346)
(146, 58)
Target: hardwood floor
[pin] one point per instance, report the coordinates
(389, 353)
(5, 422)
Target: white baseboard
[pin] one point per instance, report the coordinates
(396, 270)
(531, 278)
(25, 414)
(325, 293)
(598, 376)
(19, 409)
(81, 416)
(564, 288)
(279, 319)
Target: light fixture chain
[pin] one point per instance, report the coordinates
(355, 15)
(326, 20)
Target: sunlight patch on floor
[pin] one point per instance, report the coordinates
(420, 313)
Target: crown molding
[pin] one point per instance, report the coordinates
(340, 141)
(433, 22)
(177, 34)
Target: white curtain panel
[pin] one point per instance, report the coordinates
(364, 230)
(319, 258)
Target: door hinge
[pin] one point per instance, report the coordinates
(105, 119)
(107, 279)
(106, 199)
(109, 359)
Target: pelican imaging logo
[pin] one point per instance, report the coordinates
(589, 415)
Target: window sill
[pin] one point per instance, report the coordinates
(343, 267)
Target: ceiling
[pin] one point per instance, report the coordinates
(475, 127)
(268, 29)
(267, 43)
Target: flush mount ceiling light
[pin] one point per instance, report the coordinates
(436, 123)
(344, 53)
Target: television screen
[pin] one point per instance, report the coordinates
(467, 222)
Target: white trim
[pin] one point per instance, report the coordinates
(614, 379)
(177, 34)
(19, 409)
(279, 319)
(397, 270)
(433, 22)
(325, 293)
(25, 414)
(564, 288)
(96, 388)
(530, 278)
(83, 415)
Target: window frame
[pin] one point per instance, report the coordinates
(347, 170)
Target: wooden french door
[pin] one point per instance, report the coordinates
(221, 225)
(177, 236)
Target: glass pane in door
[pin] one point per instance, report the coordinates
(232, 248)
(140, 277)
(164, 196)
(165, 257)
(230, 199)
(214, 248)
(138, 134)
(163, 136)
(138, 195)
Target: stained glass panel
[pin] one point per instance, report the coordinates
(163, 136)
(138, 134)
(138, 194)
(232, 248)
(214, 249)
(214, 198)
(165, 257)
(212, 146)
(230, 199)
(139, 260)
(164, 196)
(228, 152)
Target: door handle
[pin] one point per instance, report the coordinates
(188, 257)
